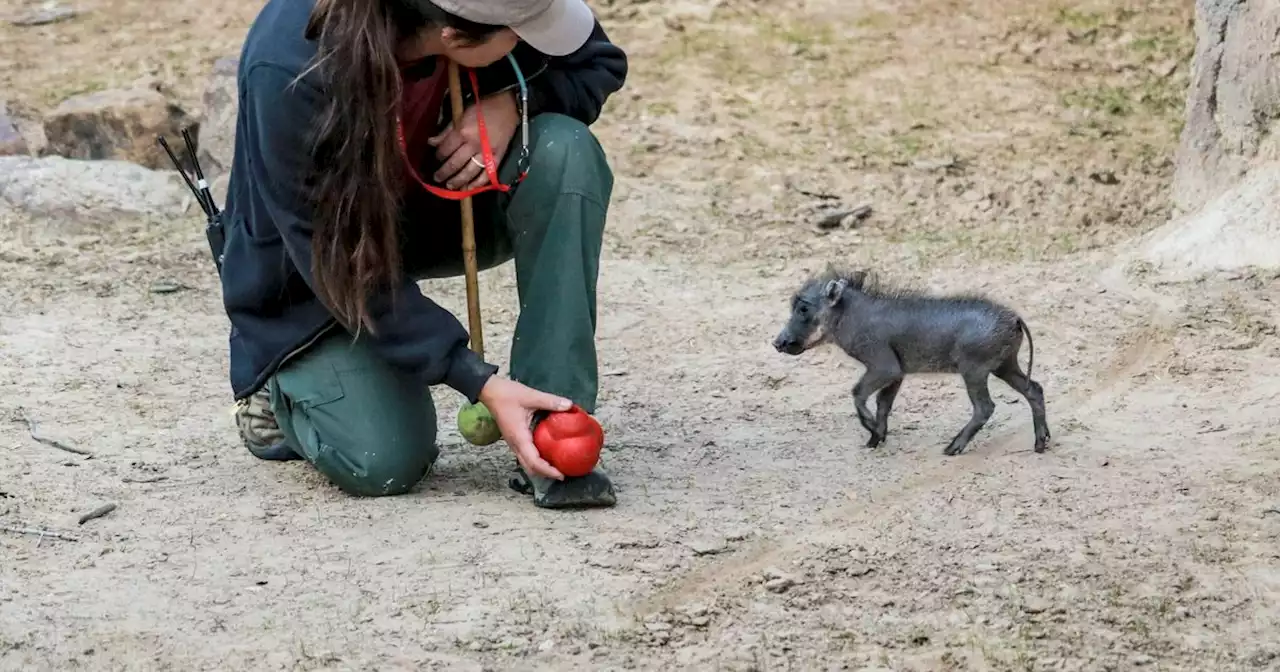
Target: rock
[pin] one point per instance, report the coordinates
(708, 546)
(779, 585)
(931, 165)
(1036, 606)
(602, 562)
(844, 217)
(1233, 104)
(49, 12)
(89, 192)
(119, 124)
(218, 119)
(859, 569)
(777, 581)
(1104, 177)
(696, 610)
(11, 140)
(218, 187)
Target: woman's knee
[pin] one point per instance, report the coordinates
(380, 466)
(565, 148)
(370, 430)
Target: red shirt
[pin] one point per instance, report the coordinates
(420, 112)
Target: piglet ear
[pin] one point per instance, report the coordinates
(834, 290)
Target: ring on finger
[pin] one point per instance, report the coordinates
(478, 163)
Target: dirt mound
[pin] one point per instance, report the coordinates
(1237, 229)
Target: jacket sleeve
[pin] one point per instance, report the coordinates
(412, 332)
(577, 85)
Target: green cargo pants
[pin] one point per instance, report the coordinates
(370, 428)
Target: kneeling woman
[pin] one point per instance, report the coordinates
(334, 210)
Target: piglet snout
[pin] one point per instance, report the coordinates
(786, 345)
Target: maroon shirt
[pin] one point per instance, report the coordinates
(420, 112)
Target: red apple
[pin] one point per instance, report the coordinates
(570, 441)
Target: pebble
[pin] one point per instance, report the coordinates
(696, 610)
(708, 546)
(934, 164)
(515, 643)
(773, 573)
(547, 645)
(779, 585)
(1212, 516)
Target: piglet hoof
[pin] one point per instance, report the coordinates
(953, 449)
(875, 440)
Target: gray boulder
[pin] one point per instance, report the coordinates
(71, 192)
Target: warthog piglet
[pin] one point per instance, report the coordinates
(898, 332)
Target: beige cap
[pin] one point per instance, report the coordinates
(554, 27)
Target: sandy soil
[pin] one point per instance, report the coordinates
(1014, 148)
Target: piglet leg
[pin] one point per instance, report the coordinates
(884, 404)
(983, 407)
(879, 375)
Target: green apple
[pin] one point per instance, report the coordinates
(477, 425)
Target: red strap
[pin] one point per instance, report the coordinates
(490, 166)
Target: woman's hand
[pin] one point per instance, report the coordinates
(457, 144)
(512, 406)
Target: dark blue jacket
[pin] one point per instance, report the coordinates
(266, 276)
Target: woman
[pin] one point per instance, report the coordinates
(343, 145)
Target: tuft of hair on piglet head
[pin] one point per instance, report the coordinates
(834, 281)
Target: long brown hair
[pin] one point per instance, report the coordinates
(357, 171)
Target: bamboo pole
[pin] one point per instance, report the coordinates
(468, 230)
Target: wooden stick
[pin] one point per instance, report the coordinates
(33, 428)
(97, 513)
(468, 230)
(34, 532)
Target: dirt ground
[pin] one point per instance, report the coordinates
(1015, 148)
